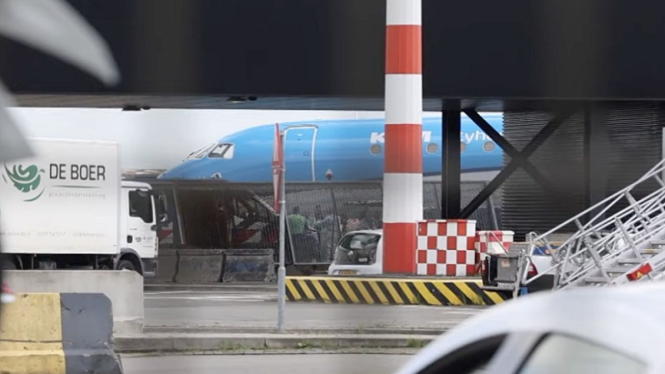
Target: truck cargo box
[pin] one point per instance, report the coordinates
(63, 201)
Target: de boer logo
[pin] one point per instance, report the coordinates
(27, 180)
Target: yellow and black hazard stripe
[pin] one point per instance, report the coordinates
(346, 290)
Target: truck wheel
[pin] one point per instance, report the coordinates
(126, 265)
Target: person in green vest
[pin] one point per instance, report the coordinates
(297, 222)
(305, 245)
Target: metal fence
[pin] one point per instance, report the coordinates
(213, 214)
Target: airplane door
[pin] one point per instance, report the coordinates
(299, 149)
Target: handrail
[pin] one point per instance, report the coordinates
(602, 239)
(611, 236)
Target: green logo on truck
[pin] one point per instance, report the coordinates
(26, 180)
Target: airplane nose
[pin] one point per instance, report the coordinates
(169, 175)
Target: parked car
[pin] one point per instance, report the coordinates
(359, 252)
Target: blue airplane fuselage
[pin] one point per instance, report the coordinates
(350, 150)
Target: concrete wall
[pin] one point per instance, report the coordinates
(215, 266)
(58, 333)
(123, 288)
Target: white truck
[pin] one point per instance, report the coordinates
(68, 208)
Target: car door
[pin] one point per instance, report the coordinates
(140, 220)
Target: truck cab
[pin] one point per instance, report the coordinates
(142, 212)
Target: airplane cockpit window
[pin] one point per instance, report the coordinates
(224, 151)
(201, 152)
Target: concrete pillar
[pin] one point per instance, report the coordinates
(451, 194)
(403, 163)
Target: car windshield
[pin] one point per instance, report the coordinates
(357, 249)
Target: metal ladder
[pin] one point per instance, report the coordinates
(626, 246)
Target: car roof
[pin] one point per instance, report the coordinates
(379, 231)
(628, 319)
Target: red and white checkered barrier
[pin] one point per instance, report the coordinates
(494, 242)
(446, 247)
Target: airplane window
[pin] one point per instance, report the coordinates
(191, 155)
(375, 149)
(432, 148)
(489, 146)
(462, 147)
(224, 151)
(200, 152)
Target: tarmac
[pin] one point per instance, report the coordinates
(279, 362)
(241, 317)
(184, 342)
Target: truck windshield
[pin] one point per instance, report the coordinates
(140, 205)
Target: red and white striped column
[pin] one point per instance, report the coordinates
(403, 163)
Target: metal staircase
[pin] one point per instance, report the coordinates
(626, 246)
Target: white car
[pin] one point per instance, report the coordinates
(359, 253)
(609, 330)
